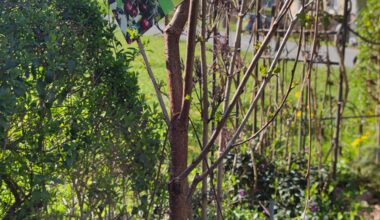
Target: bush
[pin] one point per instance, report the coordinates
(78, 140)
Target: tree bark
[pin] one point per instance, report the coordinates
(178, 129)
(377, 159)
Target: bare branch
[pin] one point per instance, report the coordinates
(154, 82)
(238, 92)
(190, 51)
(253, 103)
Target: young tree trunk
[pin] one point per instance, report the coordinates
(256, 75)
(377, 159)
(179, 208)
(342, 70)
(205, 105)
(180, 101)
(178, 129)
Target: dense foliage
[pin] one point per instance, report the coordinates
(369, 67)
(76, 137)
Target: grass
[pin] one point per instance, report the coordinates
(155, 49)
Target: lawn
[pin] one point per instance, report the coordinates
(155, 49)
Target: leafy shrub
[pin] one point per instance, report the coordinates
(285, 191)
(77, 138)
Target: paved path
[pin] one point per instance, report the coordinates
(290, 50)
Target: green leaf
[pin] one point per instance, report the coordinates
(302, 18)
(263, 70)
(277, 70)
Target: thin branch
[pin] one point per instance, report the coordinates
(154, 82)
(190, 51)
(340, 102)
(310, 65)
(205, 107)
(350, 117)
(362, 37)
